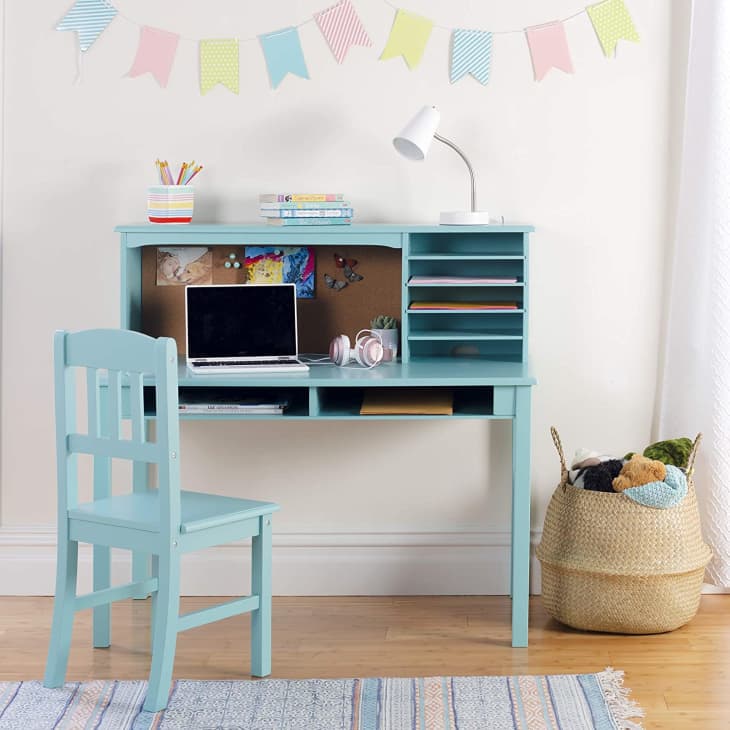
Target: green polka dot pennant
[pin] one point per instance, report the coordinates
(219, 64)
(612, 23)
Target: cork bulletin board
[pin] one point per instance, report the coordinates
(329, 313)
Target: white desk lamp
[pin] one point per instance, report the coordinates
(414, 141)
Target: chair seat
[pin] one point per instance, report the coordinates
(198, 510)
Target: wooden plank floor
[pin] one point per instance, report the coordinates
(682, 679)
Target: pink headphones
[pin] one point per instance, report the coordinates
(368, 349)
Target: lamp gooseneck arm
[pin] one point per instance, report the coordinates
(449, 143)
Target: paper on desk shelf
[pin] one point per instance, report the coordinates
(407, 401)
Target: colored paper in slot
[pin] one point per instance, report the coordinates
(407, 401)
(462, 306)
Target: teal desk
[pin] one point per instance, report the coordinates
(492, 382)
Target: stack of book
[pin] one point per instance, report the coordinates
(221, 403)
(305, 209)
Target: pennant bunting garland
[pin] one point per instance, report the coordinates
(471, 53)
(341, 28)
(548, 48)
(283, 53)
(408, 38)
(471, 50)
(219, 64)
(612, 23)
(89, 18)
(155, 54)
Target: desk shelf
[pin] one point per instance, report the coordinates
(511, 334)
(469, 402)
(446, 256)
(485, 334)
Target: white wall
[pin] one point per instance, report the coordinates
(399, 507)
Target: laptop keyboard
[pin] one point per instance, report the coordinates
(245, 363)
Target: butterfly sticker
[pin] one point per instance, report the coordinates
(351, 275)
(334, 283)
(341, 262)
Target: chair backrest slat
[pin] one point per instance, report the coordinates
(136, 406)
(127, 357)
(114, 422)
(93, 401)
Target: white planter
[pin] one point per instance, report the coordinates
(390, 343)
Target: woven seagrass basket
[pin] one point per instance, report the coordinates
(611, 564)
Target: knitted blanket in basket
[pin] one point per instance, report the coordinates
(664, 494)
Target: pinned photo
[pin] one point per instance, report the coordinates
(182, 265)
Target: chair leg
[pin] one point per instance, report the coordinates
(166, 608)
(63, 612)
(140, 484)
(261, 587)
(102, 580)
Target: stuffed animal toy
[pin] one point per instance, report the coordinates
(637, 471)
(599, 478)
(585, 457)
(675, 452)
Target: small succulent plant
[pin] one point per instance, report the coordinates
(384, 322)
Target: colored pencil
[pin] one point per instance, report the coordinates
(197, 170)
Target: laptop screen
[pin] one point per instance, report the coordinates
(242, 320)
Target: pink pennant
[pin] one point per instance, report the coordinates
(341, 27)
(155, 54)
(548, 48)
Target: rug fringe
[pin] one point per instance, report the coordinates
(617, 697)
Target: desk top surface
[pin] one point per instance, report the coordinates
(431, 372)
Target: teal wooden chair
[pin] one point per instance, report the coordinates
(164, 522)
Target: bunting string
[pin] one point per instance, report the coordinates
(470, 53)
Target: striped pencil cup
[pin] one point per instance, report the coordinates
(170, 203)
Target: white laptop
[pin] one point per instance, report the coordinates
(242, 328)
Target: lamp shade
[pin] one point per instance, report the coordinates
(415, 139)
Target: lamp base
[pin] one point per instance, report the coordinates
(464, 218)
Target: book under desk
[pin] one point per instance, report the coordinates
(480, 356)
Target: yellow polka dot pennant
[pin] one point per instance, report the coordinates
(219, 64)
(612, 23)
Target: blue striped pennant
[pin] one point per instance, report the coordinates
(471, 52)
(89, 18)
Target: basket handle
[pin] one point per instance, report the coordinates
(693, 455)
(561, 455)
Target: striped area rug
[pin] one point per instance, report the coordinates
(556, 702)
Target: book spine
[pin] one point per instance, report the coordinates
(329, 204)
(321, 213)
(213, 410)
(299, 197)
(308, 221)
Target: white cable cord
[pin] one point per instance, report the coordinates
(197, 40)
(79, 67)
(389, 3)
(494, 32)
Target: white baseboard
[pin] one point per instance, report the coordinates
(305, 564)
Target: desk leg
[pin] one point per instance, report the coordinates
(520, 579)
(141, 568)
